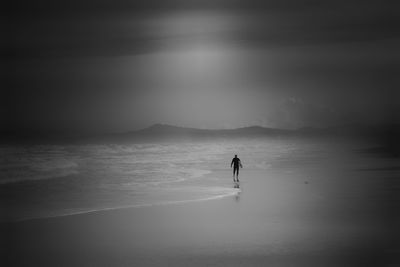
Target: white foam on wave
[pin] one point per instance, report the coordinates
(42, 170)
(19, 164)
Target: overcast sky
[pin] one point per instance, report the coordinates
(123, 65)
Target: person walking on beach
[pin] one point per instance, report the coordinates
(236, 164)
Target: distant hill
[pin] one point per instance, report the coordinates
(169, 132)
(164, 129)
(159, 132)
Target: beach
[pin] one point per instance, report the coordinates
(123, 122)
(334, 213)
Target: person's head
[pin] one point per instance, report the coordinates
(235, 156)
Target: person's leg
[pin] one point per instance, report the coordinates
(237, 174)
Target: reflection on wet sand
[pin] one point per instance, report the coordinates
(237, 186)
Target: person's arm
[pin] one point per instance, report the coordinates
(240, 164)
(231, 163)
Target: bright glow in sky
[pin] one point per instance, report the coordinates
(201, 64)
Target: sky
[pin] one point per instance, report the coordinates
(123, 65)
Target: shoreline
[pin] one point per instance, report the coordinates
(133, 206)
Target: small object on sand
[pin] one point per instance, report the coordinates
(306, 182)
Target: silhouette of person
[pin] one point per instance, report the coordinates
(236, 164)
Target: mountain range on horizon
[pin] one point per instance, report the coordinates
(165, 131)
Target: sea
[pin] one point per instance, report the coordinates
(40, 181)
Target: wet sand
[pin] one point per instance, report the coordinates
(279, 218)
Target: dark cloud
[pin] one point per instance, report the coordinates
(109, 28)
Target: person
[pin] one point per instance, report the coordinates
(236, 164)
